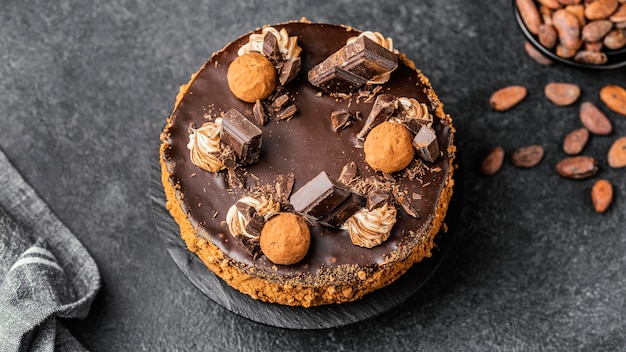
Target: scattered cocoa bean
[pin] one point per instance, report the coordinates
(577, 167)
(575, 141)
(568, 28)
(617, 153)
(562, 94)
(601, 195)
(600, 9)
(594, 119)
(537, 55)
(527, 157)
(530, 15)
(614, 97)
(615, 40)
(505, 98)
(492, 163)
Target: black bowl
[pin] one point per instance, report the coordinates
(615, 58)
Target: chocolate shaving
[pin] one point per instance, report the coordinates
(340, 119)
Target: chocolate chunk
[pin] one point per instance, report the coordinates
(260, 116)
(241, 135)
(255, 221)
(425, 142)
(284, 186)
(362, 58)
(318, 197)
(250, 245)
(344, 211)
(336, 79)
(340, 119)
(409, 209)
(271, 48)
(286, 113)
(376, 199)
(288, 70)
(384, 106)
(348, 173)
(280, 102)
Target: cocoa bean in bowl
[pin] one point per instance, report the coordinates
(582, 34)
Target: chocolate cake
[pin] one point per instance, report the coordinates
(308, 164)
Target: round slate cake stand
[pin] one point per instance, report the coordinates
(319, 317)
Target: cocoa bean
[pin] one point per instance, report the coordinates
(614, 97)
(591, 57)
(577, 167)
(596, 30)
(594, 119)
(617, 153)
(594, 46)
(579, 11)
(575, 141)
(601, 195)
(547, 36)
(616, 39)
(492, 163)
(551, 4)
(536, 54)
(527, 157)
(546, 14)
(562, 94)
(530, 15)
(619, 15)
(569, 2)
(565, 52)
(600, 9)
(568, 27)
(505, 98)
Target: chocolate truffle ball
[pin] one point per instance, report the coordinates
(285, 239)
(251, 77)
(389, 147)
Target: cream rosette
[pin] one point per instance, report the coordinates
(237, 221)
(369, 228)
(204, 146)
(288, 46)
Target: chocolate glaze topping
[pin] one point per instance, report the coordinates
(305, 145)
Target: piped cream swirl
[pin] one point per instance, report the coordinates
(237, 222)
(369, 228)
(204, 146)
(386, 43)
(288, 46)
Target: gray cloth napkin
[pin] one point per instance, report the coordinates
(45, 272)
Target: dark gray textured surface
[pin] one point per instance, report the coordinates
(85, 89)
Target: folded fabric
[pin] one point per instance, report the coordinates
(45, 272)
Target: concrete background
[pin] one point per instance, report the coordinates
(85, 88)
